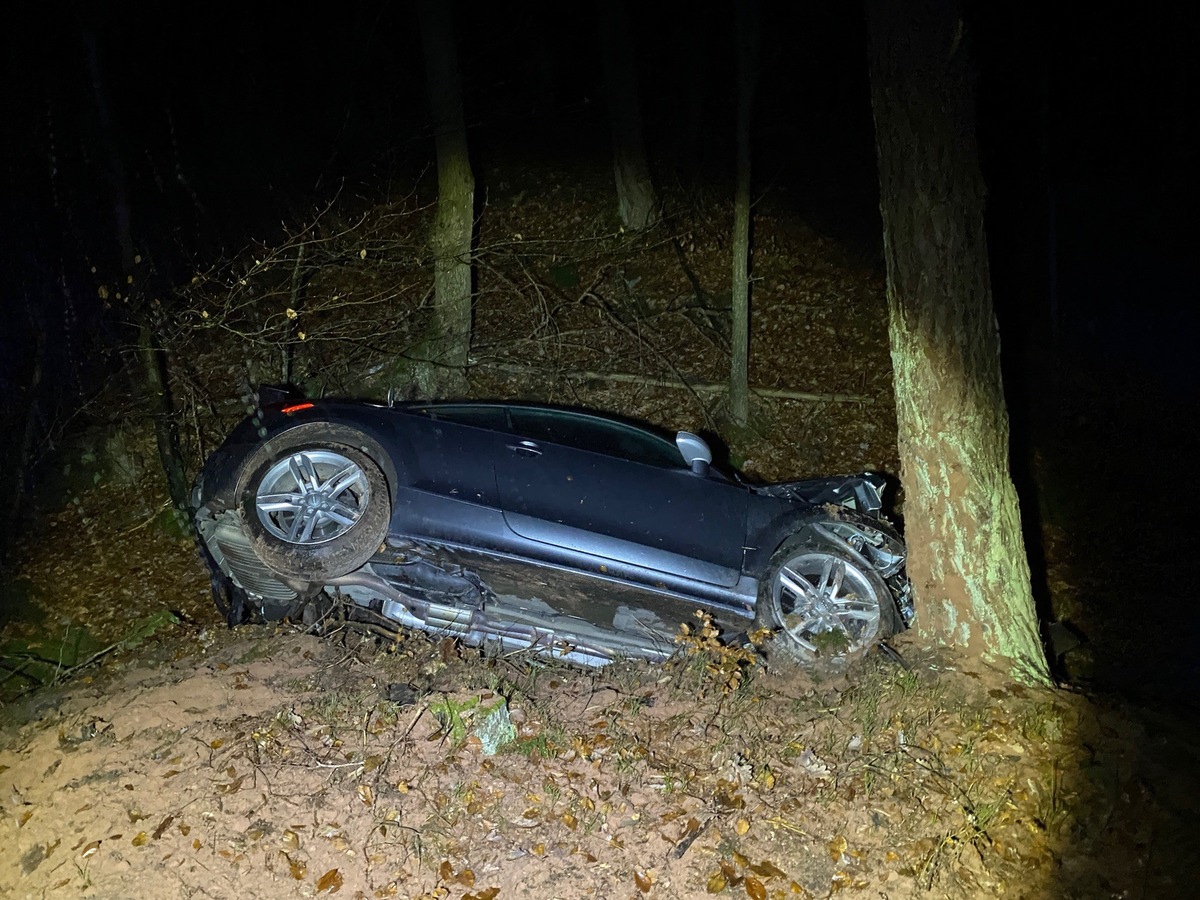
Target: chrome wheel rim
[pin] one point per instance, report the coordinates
(827, 605)
(312, 497)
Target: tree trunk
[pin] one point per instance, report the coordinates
(747, 61)
(962, 518)
(453, 227)
(155, 382)
(17, 461)
(162, 409)
(637, 202)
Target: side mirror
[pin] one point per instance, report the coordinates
(695, 451)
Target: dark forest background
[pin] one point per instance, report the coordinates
(233, 123)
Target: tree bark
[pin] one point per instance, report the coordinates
(637, 201)
(746, 36)
(454, 223)
(962, 518)
(162, 409)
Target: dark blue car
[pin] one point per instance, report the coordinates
(576, 534)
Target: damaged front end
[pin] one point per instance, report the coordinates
(861, 493)
(855, 523)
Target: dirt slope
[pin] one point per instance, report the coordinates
(264, 763)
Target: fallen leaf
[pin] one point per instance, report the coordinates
(140, 839)
(366, 795)
(837, 847)
(90, 849)
(298, 868)
(716, 882)
(742, 826)
(25, 817)
(163, 826)
(731, 874)
(331, 881)
(768, 870)
(643, 880)
(755, 889)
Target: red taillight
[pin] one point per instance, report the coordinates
(295, 408)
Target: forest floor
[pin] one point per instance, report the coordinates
(168, 756)
(262, 762)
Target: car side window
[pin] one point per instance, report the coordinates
(479, 416)
(597, 435)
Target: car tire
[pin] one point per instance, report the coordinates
(313, 511)
(824, 604)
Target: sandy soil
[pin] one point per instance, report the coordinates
(264, 763)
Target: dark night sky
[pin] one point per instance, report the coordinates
(231, 119)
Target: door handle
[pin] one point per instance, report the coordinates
(525, 448)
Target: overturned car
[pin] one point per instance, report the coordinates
(574, 534)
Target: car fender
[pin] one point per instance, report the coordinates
(225, 477)
(765, 537)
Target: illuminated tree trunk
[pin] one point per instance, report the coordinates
(454, 222)
(962, 519)
(637, 202)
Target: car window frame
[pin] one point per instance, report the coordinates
(667, 456)
(445, 413)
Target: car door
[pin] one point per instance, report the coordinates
(618, 492)
(451, 490)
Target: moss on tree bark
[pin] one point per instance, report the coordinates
(962, 516)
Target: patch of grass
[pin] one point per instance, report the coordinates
(1042, 722)
(887, 696)
(18, 602)
(542, 745)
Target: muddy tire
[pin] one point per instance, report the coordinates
(825, 605)
(313, 510)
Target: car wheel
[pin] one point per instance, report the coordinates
(315, 511)
(823, 604)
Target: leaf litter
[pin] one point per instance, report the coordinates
(263, 761)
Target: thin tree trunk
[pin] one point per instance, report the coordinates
(18, 469)
(637, 201)
(154, 385)
(962, 517)
(295, 302)
(166, 432)
(454, 222)
(747, 60)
